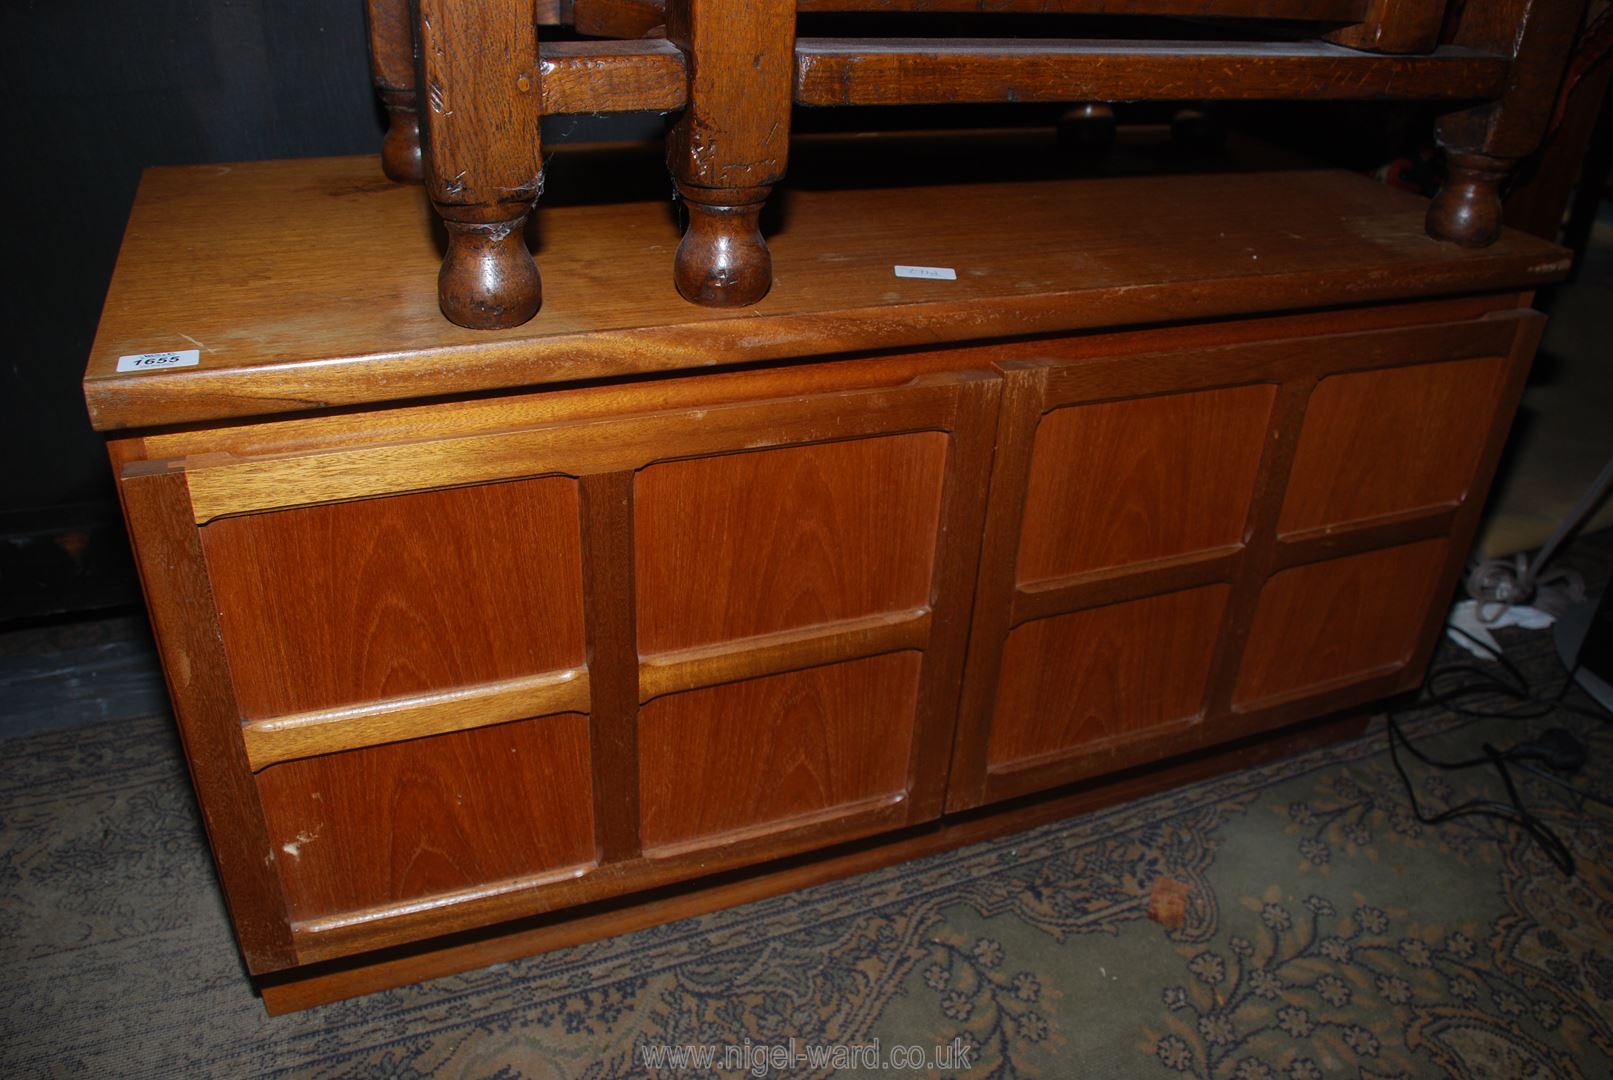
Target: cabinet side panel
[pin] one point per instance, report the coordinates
(358, 601)
(755, 543)
(1330, 623)
(1129, 481)
(1103, 675)
(1383, 442)
(416, 819)
(776, 750)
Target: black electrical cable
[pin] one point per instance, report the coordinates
(1511, 683)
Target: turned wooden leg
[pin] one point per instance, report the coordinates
(392, 68)
(1483, 143)
(729, 148)
(488, 278)
(723, 260)
(479, 137)
(400, 150)
(1467, 210)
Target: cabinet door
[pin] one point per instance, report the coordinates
(427, 684)
(1185, 548)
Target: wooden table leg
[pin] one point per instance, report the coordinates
(730, 146)
(392, 67)
(1484, 143)
(480, 106)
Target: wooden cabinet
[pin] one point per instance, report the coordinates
(468, 665)
(1185, 547)
(623, 650)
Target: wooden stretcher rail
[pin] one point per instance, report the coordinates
(1299, 10)
(651, 74)
(634, 18)
(611, 76)
(918, 71)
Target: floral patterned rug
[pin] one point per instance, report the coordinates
(1291, 921)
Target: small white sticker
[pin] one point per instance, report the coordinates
(154, 361)
(934, 273)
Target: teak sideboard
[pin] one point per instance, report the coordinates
(482, 642)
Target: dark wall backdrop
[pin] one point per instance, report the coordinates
(109, 87)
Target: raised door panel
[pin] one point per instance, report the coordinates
(1132, 481)
(1096, 678)
(438, 698)
(1391, 441)
(428, 818)
(1317, 488)
(1327, 624)
(777, 750)
(756, 543)
(785, 615)
(352, 602)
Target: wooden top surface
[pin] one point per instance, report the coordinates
(312, 284)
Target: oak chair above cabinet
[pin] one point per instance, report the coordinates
(481, 643)
(466, 83)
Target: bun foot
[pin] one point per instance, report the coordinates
(723, 260)
(1467, 210)
(400, 152)
(489, 280)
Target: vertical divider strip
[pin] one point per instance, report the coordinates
(1022, 401)
(963, 513)
(1259, 558)
(613, 662)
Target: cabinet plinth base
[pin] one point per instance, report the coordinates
(322, 984)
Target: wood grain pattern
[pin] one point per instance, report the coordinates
(1133, 581)
(281, 331)
(1394, 26)
(412, 820)
(1020, 407)
(730, 145)
(754, 754)
(183, 615)
(480, 106)
(349, 727)
(1536, 35)
(1335, 542)
(425, 960)
(619, 18)
(1332, 622)
(223, 485)
(757, 543)
(788, 650)
(917, 71)
(1104, 675)
(825, 517)
(1132, 481)
(612, 76)
(607, 514)
(1384, 442)
(392, 69)
(1293, 366)
(1319, 10)
(1109, 359)
(1483, 143)
(359, 602)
